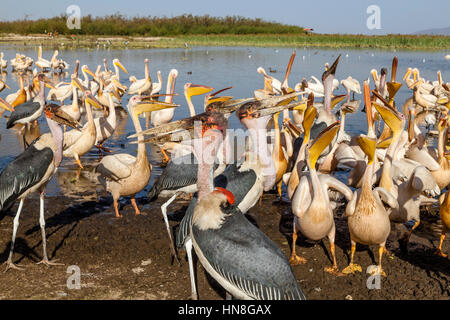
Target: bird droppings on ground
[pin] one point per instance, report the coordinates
(140, 242)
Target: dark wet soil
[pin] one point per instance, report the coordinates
(129, 258)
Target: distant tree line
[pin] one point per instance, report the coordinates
(118, 24)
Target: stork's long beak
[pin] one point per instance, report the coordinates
(119, 64)
(5, 105)
(261, 112)
(228, 106)
(278, 100)
(367, 145)
(55, 113)
(321, 142)
(150, 106)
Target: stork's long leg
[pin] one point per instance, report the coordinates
(164, 213)
(188, 245)
(9, 263)
(44, 239)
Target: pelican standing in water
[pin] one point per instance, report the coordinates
(123, 174)
(41, 62)
(142, 85)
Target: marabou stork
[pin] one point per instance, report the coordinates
(233, 251)
(29, 111)
(31, 171)
(246, 180)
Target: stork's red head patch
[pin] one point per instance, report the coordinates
(228, 194)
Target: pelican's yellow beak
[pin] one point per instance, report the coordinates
(392, 120)
(367, 145)
(268, 84)
(115, 94)
(408, 72)
(89, 72)
(117, 63)
(4, 83)
(393, 88)
(442, 100)
(77, 84)
(197, 89)
(415, 75)
(301, 107)
(383, 144)
(5, 105)
(91, 100)
(374, 74)
(218, 99)
(48, 83)
(149, 106)
(321, 142)
(368, 104)
(336, 99)
(287, 101)
(308, 121)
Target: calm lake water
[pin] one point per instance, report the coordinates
(218, 67)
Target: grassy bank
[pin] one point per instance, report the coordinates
(120, 25)
(409, 42)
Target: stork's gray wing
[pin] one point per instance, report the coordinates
(247, 258)
(22, 173)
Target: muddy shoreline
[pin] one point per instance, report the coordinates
(129, 258)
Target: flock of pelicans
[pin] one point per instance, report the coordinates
(394, 171)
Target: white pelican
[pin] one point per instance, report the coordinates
(73, 109)
(41, 62)
(77, 143)
(166, 115)
(3, 85)
(63, 90)
(105, 126)
(117, 64)
(350, 85)
(142, 85)
(3, 62)
(58, 64)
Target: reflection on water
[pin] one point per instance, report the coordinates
(218, 67)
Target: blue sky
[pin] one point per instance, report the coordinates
(325, 16)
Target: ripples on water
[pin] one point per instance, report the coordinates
(218, 67)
